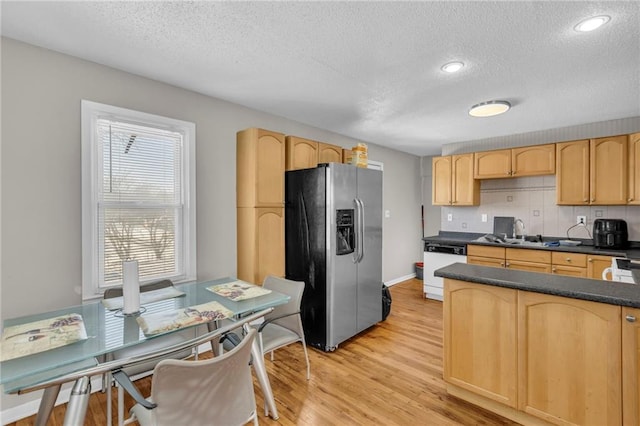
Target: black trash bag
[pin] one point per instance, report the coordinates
(386, 302)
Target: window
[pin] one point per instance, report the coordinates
(138, 197)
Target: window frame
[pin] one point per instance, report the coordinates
(92, 180)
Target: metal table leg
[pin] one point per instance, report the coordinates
(47, 403)
(263, 378)
(78, 402)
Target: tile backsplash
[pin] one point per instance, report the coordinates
(533, 199)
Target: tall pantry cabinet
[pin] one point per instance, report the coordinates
(260, 166)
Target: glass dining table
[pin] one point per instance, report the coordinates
(109, 330)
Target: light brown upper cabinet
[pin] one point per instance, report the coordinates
(453, 182)
(492, 164)
(305, 153)
(634, 169)
(328, 153)
(259, 168)
(592, 171)
(533, 160)
(526, 161)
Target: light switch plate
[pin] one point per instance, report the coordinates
(450, 217)
(484, 217)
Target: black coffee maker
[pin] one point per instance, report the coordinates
(610, 233)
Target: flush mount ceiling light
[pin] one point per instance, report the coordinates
(489, 108)
(452, 67)
(592, 23)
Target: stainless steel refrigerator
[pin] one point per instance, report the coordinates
(333, 242)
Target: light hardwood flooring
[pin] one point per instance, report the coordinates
(390, 374)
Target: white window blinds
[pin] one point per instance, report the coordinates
(141, 202)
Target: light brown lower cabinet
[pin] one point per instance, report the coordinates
(543, 261)
(260, 243)
(540, 359)
(630, 366)
(480, 340)
(569, 351)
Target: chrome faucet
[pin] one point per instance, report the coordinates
(515, 229)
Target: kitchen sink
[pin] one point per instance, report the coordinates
(519, 242)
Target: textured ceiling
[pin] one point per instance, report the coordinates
(368, 70)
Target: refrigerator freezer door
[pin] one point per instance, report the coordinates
(341, 269)
(369, 192)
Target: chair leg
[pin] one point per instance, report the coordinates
(120, 406)
(306, 357)
(107, 383)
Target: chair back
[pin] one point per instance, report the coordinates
(293, 289)
(214, 391)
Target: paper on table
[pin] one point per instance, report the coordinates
(238, 290)
(162, 322)
(145, 297)
(39, 336)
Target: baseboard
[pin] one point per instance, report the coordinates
(30, 408)
(399, 280)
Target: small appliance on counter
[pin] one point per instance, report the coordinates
(610, 233)
(623, 270)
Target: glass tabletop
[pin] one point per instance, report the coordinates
(108, 331)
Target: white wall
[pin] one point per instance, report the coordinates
(533, 199)
(40, 193)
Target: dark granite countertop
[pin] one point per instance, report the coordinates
(450, 237)
(618, 293)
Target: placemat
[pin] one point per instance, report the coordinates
(238, 290)
(39, 336)
(145, 297)
(162, 322)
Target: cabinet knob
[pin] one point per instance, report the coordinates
(589, 260)
(630, 199)
(586, 200)
(593, 200)
(553, 270)
(568, 259)
(502, 264)
(630, 318)
(507, 265)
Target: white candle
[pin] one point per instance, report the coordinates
(130, 287)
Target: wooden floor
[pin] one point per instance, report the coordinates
(391, 374)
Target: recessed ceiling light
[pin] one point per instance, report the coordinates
(489, 108)
(452, 67)
(592, 23)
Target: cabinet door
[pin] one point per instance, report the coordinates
(301, 153)
(569, 360)
(571, 271)
(260, 243)
(492, 164)
(329, 153)
(485, 261)
(441, 183)
(596, 264)
(465, 189)
(533, 160)
(486, 251)
(528, 255)
(634, 169)
(631, 366)
(572, 173)
(520, 265)
(260, 165)
(609, 164)
(569, 259)
(480, 339)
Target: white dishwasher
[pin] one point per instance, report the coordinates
(437, 255)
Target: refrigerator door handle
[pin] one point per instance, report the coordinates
(360, 230)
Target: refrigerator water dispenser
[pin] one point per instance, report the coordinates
(345, 235)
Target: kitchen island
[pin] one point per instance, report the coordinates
(541, 348)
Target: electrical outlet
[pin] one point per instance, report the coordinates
(581, 220)
(450, 217)
(484, 217)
